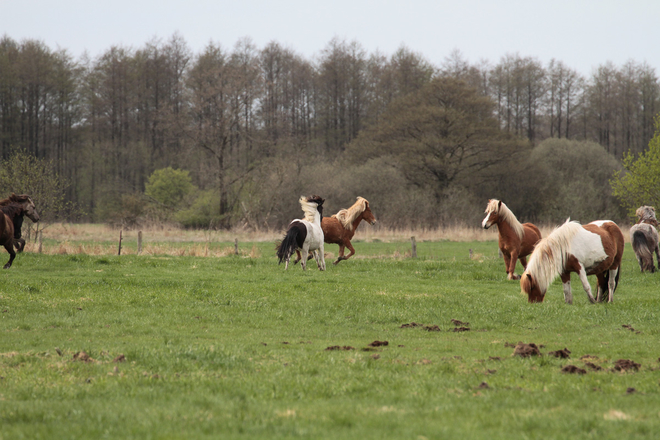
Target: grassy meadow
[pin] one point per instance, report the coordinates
(189, 340)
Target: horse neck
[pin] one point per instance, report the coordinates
(357, 221)
(505, 228)
(12, 210)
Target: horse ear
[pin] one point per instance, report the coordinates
(499, 204)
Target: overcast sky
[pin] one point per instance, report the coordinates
(582, 33)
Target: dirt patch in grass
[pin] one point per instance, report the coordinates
(593, 366)
(458, 323)
(563, 354)
(626, 365)
(526, 350)
(82, 357)
(432, 328)
(461, 329)
(338, 347)
(629, 327)
(378, 344)
(572, 369)
(412, 325)
(120, 358)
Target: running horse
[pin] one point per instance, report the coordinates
(516, 240)
(340, 228)
(13, 209)
(305, 234)
(644, 238)
(592, 249)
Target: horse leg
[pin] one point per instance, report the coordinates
(523, 261)
(657, 255)
(351, 249)
(19, 243)
(321, 256)
(303, 260)
(611, 283)
(341, 253)
(585, 284)
(507, 263)
(10, 248)
(566, 283)
(297, 257)
(513, 259)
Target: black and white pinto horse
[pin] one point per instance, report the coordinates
(644, 238)
(592, 249)
(305, 234)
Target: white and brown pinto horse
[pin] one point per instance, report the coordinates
(644, 238)
(516, 240)
(305, 234)
(593, 249)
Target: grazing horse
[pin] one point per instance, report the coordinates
(25, 200)
(16, 207)
(305, 234)
(340, 228)
(516, 240)
(644, 238)
(593, 249)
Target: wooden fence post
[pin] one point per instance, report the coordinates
(236, 246)
(139, 247)
(119, 251)
(414, 246)
(41, 240)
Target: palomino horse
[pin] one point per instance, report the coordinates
(644, 238)
(516, 240)
(593, 249)
(16, 207)
(28, 205)
(305, 234)
(340, 228)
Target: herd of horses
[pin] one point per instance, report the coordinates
(592, 249)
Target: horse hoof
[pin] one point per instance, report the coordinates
(515, 277)
(336, 262)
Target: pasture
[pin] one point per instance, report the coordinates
(167, 345)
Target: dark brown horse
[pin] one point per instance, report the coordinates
(516, 240)
(11, 210)
(340, 228)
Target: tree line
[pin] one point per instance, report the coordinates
(257, 127)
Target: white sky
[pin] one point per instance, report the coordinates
(582, 33)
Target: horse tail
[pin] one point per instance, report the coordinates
(288, 245)
(642, 249)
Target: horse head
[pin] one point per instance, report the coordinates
(492, 213)
(27, 204)
(529, 286)
(646, 214)
(367, 214)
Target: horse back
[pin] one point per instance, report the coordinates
(531, 236)
(612, 240)
(334, 232)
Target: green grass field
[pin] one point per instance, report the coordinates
(235, 347)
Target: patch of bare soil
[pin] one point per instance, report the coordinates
(339, 347)
(483, 386)
(626, 365)
(563, 354)
(494, 358)
(378, 344)
(432, 328)
(631, 390)
(82, 356)
(572, 369)
(588, 357)
(593, 366)
(629, 327)
(120, 358)
(461, 329)
(526, 350)
(458, 323)
(412, 325)
(510, 344)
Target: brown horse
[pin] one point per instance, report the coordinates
(516, 240)
(14, 207)
(25, 200)
(340, 228)
(644, 238)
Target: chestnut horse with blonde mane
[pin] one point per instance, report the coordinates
(592, 249)
(516, 240)
(340, 228)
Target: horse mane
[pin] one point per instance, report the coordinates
(347, 216)
(550, 254)
(503, 211)
(646, 214)
(14, 199)
(12, 210)
(310, 206)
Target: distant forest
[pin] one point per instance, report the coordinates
(251, 129)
